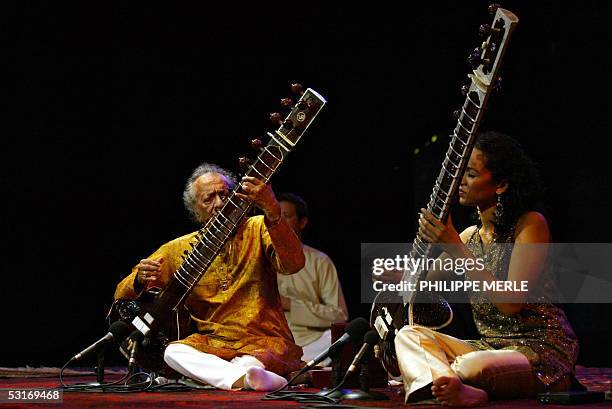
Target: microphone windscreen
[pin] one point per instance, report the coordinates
(136, 336)
(119, 329)
(356, 328)
(371, 338)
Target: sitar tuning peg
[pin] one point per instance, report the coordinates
(297, 88)
(474, 58)
(493, 8)
(456, 114)
(465, 89)
(276, 118)
(484, 30)
(286, 102)
(256, 144)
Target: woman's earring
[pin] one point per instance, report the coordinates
(499, 209)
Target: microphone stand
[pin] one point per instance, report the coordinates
(364, 382)
(100, 367)
(337, 375)
(132, 367)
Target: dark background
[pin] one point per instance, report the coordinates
(113, 108)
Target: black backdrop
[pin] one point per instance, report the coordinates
(115, 106)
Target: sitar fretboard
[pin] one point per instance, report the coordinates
(218, 230)
(483, 81)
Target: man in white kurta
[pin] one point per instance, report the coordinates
(312, 298)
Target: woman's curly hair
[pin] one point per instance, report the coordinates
(508, 163)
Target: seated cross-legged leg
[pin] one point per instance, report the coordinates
(425, 355)
(241, 372)
(503, 374)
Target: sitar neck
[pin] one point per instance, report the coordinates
(483, 80)
(219, 229)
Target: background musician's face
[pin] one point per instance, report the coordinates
(477, 185)
(211, 191)
(289, 213)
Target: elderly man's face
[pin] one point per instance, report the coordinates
(211, 190)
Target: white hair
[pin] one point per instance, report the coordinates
(189, 197)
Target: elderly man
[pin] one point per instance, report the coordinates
(242, 338)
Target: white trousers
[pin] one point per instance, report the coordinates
(425, 355)
(208, 368)
(316, 347)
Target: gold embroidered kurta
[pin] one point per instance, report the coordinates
(235, 305)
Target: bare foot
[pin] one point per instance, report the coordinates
(450, 391)
(259, 379)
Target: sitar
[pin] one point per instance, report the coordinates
(162, 317)
(392, 310)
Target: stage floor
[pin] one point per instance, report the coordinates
(596, 379)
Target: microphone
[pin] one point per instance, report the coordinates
(136, 338)
(117, 332)
(354, 331)
(370, 339)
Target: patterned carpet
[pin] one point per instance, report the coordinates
(46, 372)
(596, 379)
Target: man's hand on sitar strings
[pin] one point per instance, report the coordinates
(261, 195)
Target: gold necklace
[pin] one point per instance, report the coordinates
(491, 241)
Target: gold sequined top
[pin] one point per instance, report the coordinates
(235, 305)
(540, 331)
